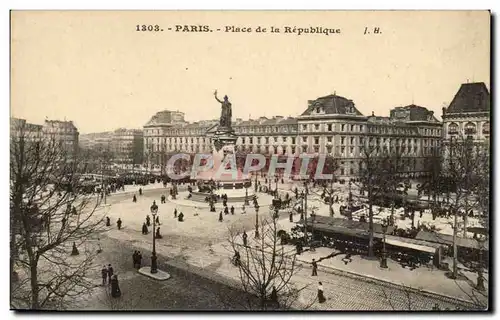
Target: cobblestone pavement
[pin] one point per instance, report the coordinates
(183, 291)
(342, 292)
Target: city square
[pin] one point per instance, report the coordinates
(343, 206)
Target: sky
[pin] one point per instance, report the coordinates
(95, 69)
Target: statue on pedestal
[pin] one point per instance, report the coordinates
(226, 112)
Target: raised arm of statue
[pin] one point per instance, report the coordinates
(215, 95)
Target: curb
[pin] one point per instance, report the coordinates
(367, 278)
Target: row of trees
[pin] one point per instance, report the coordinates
(48, 216)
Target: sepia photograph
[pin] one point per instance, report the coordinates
(250, 160)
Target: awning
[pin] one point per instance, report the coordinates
(417, 247)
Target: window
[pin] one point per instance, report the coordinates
(486, 128)
(352, 127)
(304, 127)
(342, 140)
(251, 140)
(342, 127)
(329, 139)
(293, 141)
(342, 150)
(361, 128)
(304, 139)
(316, 140)
(361, 140)
(351, 149)
(329, 149)
(352, 140)
(470, 128)
(316, 127)
(329, 127)
(304, 149)
(316, 149)
(267, 140)
(293, 150)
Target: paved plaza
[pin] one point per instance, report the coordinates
(202, 241)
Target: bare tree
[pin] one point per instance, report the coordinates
(466, 169)
(264, 265)
(49, 219)
(372, 178)
(330, 167)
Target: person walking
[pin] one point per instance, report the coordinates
(110, 272)
(119, 223)
(134, 259)
(220, 217)
(104, 275)
(175, 213)
(139, 259)
(314, 268)
(244, 236)
(115, 288)
(321, 295)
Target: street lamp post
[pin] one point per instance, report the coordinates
(383, 262)
(480, 279)
(255, 185)
(154, 264)
(257, 223)
(246, 195)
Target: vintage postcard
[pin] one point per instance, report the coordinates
(250, 160)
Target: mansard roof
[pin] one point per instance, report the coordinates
(471, 97)
(332, 104)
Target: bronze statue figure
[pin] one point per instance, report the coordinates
(226, 113)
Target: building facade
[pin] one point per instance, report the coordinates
(330, 125)
(127, 146)
(333, 125)
(468, 114)
(63, 132)
(99, 141)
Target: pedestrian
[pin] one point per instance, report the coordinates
(148, 220)
(274, 296)
(321, 296)
(163, 198)
(290, 216)
(180, 218)
(144, 228)
(139, 259)
(158, 235)
(110, 272)
(104, 274)
(157, 220)
(115, 288)
(175, 213)
(140, 191)
(134, 198)
(244, 236)
(134, 259)
(232, 210)
(220, 217)
(226, 210)
(108, 222)
(119, 223)
(315, 268)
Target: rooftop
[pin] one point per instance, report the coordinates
(331, 104)
(471, 97)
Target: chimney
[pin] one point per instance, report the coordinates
(373, 114)
(444, 110)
